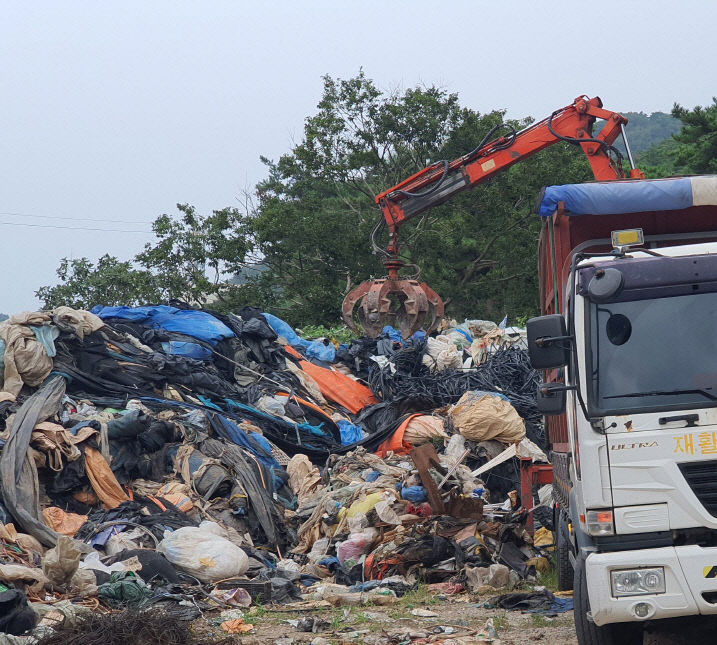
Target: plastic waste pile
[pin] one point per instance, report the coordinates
(184, 459)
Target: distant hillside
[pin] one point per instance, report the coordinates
(647, 130)
(650, 137)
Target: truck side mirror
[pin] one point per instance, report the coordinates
(551, 398)
(548, 342)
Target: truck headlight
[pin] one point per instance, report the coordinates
(637, 582)
(599, 523)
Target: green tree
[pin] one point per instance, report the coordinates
(194, 255)
(659, 160)
(647, 130)
(191, 259)
(316, 209)
(109, 281)
(697, 140)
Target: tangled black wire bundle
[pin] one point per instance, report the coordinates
(507, 371)
(153, 627)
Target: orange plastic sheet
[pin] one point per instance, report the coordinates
(395, 442)
(335, 386)
(63, 522)
(103, 480)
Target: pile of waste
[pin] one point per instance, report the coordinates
(184, 460)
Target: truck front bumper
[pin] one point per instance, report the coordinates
(689, 583)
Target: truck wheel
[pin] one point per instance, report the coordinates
(588, 632)
(562, 554)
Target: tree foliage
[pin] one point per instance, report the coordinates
(316, 210)
(697, 149)
(190, 260)
(109, 281)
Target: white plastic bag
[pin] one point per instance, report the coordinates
(203, 554)
(288, 569)
(118, 543)
(441, 354)
(319, 550)
(92, 561)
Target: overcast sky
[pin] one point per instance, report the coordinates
(112, 112)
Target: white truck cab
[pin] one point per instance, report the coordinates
(631, 350)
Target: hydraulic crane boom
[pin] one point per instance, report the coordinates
(408, 304)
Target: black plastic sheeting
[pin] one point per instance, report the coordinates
(20, 487)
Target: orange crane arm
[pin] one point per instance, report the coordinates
(440, 181)
(409, 304)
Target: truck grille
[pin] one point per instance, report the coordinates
(702, 478)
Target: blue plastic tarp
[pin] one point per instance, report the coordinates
(197, 324)
(615, 197)
(393, 333)
(191, 350)
(350, 433)
(322, 352)
(285, 330)
(231, 431)
(313, 349)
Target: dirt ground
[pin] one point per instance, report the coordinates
(459, 621)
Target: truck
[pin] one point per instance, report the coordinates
(628, 343)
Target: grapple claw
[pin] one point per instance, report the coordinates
(404, 304)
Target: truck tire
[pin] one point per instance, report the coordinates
(566, 573)
(587, 631)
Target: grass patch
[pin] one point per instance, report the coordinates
(257, 611)
(422, 595)
(501, 623)
(337, 621)
(538, 620)
(549, 578)
(339, 333)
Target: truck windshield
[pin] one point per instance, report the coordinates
(651, 355)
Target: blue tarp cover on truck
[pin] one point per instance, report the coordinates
(633, 196)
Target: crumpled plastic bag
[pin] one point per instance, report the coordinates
(93, 562)
(118, 543)
(356, 545)
(203, 553)
(36, 580)
(61, 562)
(496, 575)
(274, 405)
(288, 569)
(362, 506)
(83, 583)
(480, 416)
(442, 354)
(386, 513)
(233, 597)
(304, 478)
(62, 521)
(424, 428)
